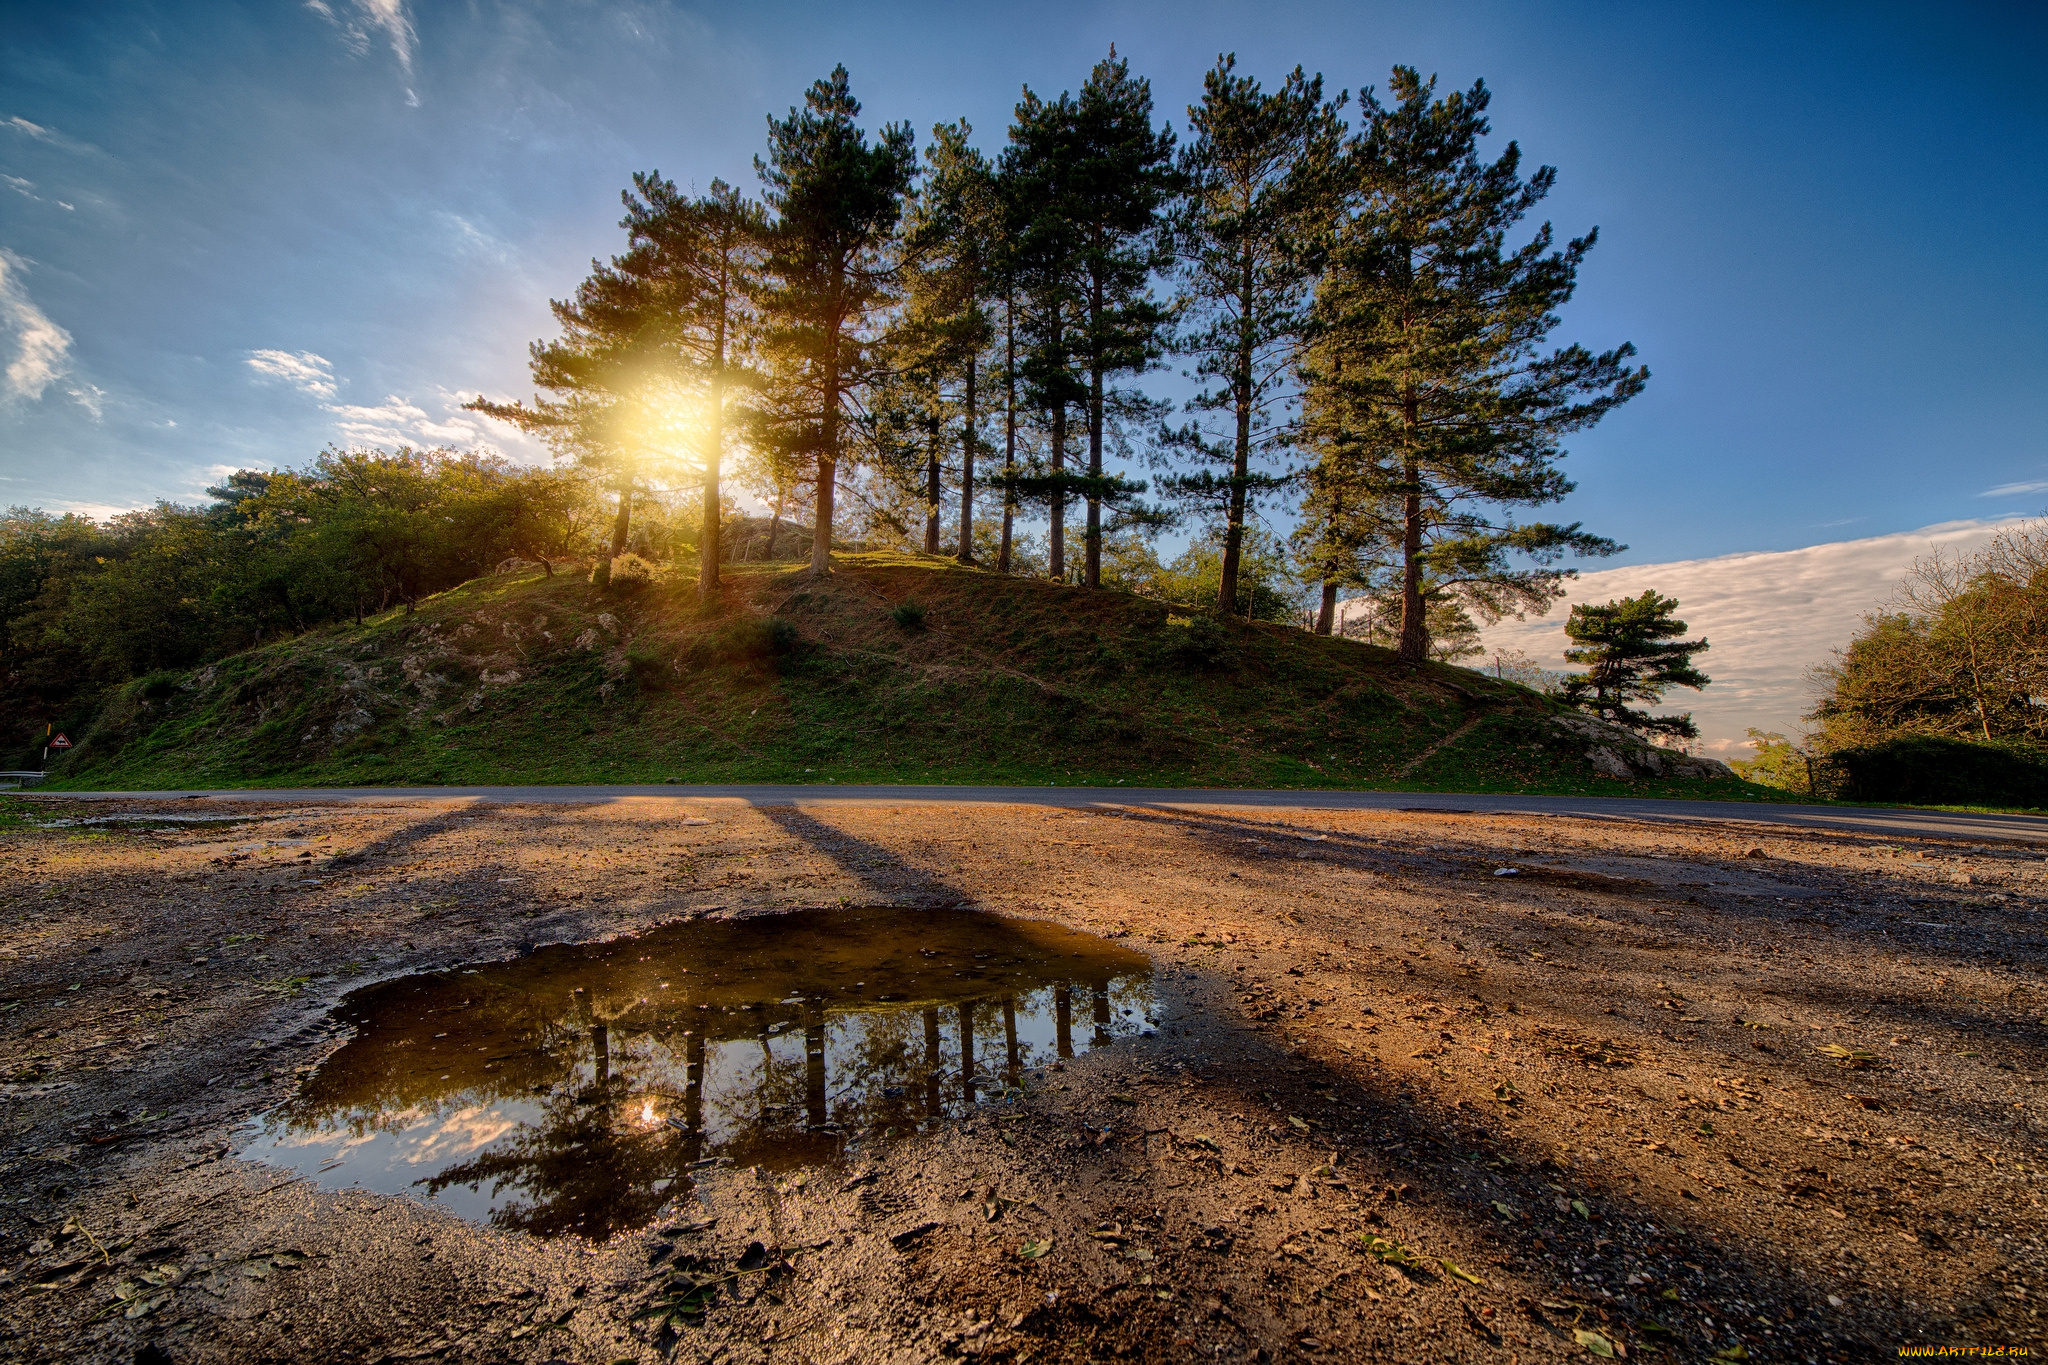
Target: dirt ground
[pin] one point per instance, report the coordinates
(1692, 1093)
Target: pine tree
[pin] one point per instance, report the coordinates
(1092, 177)
(837, 202)
(624, 377)
(706, 253)
(953, 247)
(1633, 652)
(1257, 187)
(1427, 347)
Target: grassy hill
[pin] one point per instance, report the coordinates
(897, 668)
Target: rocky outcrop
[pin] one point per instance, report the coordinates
(1615, 752)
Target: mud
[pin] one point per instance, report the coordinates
(1420, 1087)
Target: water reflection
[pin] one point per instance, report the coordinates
(573, 1090)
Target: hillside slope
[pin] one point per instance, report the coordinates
(895, 669)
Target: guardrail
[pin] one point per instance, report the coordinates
(23, 779)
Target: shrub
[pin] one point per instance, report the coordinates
(1200, 642)
(1934, 770)
(160, 685)
(908, 615)
(650, 665)
(752, 639)
(630, 573)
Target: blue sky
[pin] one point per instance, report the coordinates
(1820, 224)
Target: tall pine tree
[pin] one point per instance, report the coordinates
(953, 247)
(837, 201)
(1429, 336)
(706, 253)
(1258, 195)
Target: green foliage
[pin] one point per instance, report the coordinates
(86, 606)
(1256, 186)
(1939, 771)
(1778, 763)
(1266, 589)
(1963, 653)
(1430, 401)
(525, 678)
(1632, 653)
(908, 615)
(629, 574)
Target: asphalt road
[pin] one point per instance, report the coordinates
(1897, 821)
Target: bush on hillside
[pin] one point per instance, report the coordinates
(1936, 770)
(630, 573)
(908, 615)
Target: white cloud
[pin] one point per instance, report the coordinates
(19, 125)
(368, 18)
(91, 397)
(305, 371)
(1769, 617)
(42, 349)
(2006, 490)
(397, 421)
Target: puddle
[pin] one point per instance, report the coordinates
(573, 1090)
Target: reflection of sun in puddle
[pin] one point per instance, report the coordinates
(568, 1092)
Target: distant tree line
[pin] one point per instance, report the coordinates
(943, 349)
(1942, 696)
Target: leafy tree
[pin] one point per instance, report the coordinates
(1428, 348)
(1779, 762)
(837, 202)
(1962, 653)
(1257, 187)
(1633, 652)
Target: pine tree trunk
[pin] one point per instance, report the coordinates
(1241, 458)
(622, 524)
(967, 439)
(708, 539)
(775, 522)
(1009, 430)
(1326, 615)
(932, 491)
(1093, 573)
(1058, 570)
(1414, 646)
(828, 462)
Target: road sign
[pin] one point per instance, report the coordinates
(60, 742)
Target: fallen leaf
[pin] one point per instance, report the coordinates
(1594, 1342)
(1458, 1272)
(1735, 1352)
(1031, 1251)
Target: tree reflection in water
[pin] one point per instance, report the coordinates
(572, 1090)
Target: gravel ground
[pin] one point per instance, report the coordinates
(1692, 1093)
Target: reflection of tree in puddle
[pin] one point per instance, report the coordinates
(606, 1070)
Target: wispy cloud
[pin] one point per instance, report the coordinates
(92, 398)
(41, 349)
(39, 133)
(303, 370)
(367, 19)
(396, 421)
(2006, 490)
(27, 189)
(1769, 617)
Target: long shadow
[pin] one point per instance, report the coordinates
(863, 860)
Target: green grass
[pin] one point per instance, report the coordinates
(896, 668)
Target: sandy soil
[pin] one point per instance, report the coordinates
(1401, 1107)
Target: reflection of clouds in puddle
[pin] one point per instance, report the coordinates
(461, 1134)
